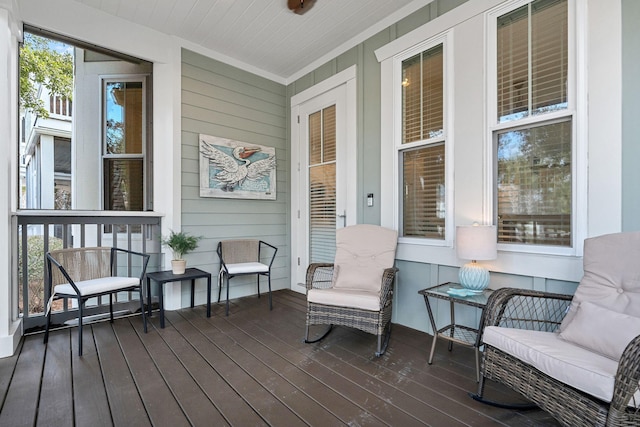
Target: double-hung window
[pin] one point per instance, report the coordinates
(420, 144)
(124, 145)
(532, 123)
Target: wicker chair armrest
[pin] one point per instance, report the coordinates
(388, 279)
(319, 275)
(525, 309)
(627, 377)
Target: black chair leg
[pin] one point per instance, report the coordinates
(269, 281)
(144, 317)
(80, 314)
(258, 281)
(227, 280)
(111, 308)
(220, 282)
(46, 328)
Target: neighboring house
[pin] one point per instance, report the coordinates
(197, 91)
(45, 154)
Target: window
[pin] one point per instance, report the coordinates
(123, 148)
(533, 126)
(421, 152)
(75, 158)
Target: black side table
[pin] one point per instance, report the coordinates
(452, 332)
(162, 277)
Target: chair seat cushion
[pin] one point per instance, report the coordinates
(97, 286)
(247, 268)
(568, 363)
(351, 298)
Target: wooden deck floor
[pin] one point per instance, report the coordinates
(248, 369)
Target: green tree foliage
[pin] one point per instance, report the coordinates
(35, 270)
(41, 63)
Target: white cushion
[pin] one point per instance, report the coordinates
(562, 360)
(352, 298)
(363, 252)
(246, 268)
(97, 286)
(602, 330)
(611, 275)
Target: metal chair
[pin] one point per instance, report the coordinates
(84, 273)
(242, 257)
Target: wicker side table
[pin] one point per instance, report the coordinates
(452, 332)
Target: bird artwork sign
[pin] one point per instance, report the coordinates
(236, 170)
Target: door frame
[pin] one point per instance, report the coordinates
(298, 233)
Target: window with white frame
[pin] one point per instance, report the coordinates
(533, 124)
(421, 147)
(124, 143)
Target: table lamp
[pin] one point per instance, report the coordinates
(475, 242)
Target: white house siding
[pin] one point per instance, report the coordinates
(224, 101)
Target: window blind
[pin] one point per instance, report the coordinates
(532, 60)
(422, 95)
(322, 185)
(423, 207)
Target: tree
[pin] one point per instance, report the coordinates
(42, 64)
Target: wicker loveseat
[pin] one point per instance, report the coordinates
(578, 357)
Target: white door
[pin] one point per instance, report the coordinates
(323, 175)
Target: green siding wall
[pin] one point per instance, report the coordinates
(221, 100)
(630, 114)
(409, 307)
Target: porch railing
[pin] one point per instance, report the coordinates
(38, 232)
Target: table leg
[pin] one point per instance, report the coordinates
(193, 290)
(453, 323)
(161, 303)
(433, 326)
(209, 296)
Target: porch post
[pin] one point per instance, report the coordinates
(10, 325)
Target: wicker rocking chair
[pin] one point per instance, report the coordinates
(576, 357)
(357, 290)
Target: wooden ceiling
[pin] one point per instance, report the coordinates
(265, 34)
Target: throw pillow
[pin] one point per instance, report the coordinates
(601, 330)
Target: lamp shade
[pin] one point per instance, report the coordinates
(477, 242)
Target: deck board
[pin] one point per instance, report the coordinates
(91, 407)
(126, 405)
(21, 402)
(160, 403)
(56, 396)
(248, 369)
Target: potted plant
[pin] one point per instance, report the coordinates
(181, 243)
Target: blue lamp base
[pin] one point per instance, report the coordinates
(474, 277)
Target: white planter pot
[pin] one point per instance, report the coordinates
(178, 266)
